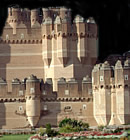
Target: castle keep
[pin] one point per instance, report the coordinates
(59, 55)
(47, 45)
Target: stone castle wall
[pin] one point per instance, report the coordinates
(69, 101)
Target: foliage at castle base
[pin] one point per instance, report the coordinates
(70, 129)
(81, 136)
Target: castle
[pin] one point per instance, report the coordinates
(59, 56)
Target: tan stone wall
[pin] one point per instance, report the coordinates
(21, 60)
(56, 112)
(8, 116)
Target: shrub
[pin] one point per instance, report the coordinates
(117, 130)
(72, 125)
(41, 131)
(101, 127)
(85, 126)
(48, 126)
(66, 129)
(50, 132)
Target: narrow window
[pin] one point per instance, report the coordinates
(7, 37)
(20, 108)
(101, 78)
(66, 92)
(84, 106)
(126, 77)
(22, 36)
(32, 90)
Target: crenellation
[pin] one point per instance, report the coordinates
(86, 87)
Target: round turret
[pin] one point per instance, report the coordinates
(63, 12)
(46, 13)
(14, 16)
(34, 16)
(33, 100)
(78, 19)
(118, 65)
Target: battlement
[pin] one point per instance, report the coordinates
(103, 74)
(33, 86)
(58, 18)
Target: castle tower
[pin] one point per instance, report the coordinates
(92, 40)
(122, 91)
(81, 42)
(33, 106)
(14, 18)
(127, 90)
(102, 94)
(86, 87)
(63, 12)
(46, 13)
(15, 87)
(62, 27)
(34, 17)
(64, 47)
(62, 88)
(47, 41)
(114, 119)
(26, 17)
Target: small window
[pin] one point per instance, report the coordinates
(126, 77)
(101, 78)
(20, 92)
(84, 106)
(68, 108)
(32, 90)
(7, 37)
(22, 36)
(20, 108)
(66, 92)
(45, 107)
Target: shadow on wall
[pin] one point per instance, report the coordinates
(50, 108)
(4, 59)
(2, 115)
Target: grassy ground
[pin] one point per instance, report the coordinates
(15, 137)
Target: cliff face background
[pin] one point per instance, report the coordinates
(113, 20)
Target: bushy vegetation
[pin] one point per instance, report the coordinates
(41, 131)
(68, 125)
(117, 130)
(101, 127)
(50, 132)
